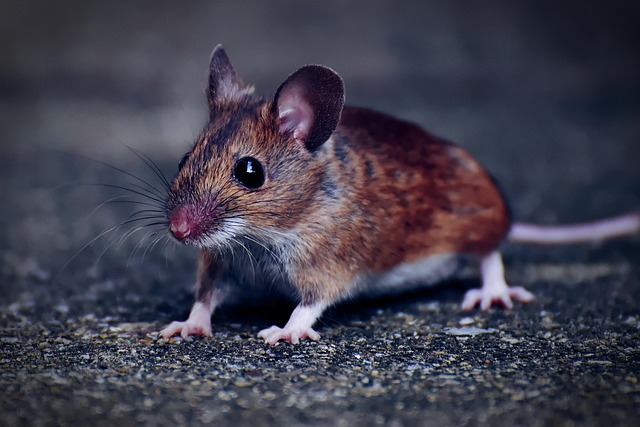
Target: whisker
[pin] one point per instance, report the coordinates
(148, 211)
(129, 233)
(279, 262)
(160, 202)
(239, 215)
(106, 202)
(120, 187)
(155, 242)
(265, 247)
(134, 250)
(92, 241)
(129, 174)
(133, 202)
(122, 238)
(144, 240)
(152, 165)
(251, 256)
(141, 191)
(156, 194)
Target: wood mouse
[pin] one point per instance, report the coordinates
(330, 201)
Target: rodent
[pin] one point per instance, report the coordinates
(330, 201)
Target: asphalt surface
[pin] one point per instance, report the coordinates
(545, 95)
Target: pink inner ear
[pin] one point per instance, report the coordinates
(295, 115)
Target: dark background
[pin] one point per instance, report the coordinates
(546, 94)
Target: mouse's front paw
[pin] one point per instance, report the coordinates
(186, 329)
(293, 335)
(486, 297)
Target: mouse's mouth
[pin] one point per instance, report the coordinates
(205, 228)
(190, 224)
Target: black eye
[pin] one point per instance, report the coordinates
(249, 172)
(183, 161)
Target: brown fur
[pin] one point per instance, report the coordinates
(330, 201)
(380, 192)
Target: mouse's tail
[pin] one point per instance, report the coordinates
(624, 225)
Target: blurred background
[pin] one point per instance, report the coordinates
(546, 94)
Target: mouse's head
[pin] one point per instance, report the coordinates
(253, 171)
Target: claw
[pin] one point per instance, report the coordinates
(486, 299)
(185, 329)
(274, 334)
(298, 327)
(198, 323)
(494, 288)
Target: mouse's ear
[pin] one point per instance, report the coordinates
(224, 85)
(309, 103)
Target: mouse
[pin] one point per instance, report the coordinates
(327, 202)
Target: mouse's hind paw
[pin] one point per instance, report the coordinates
(494, 287)
(499, 293)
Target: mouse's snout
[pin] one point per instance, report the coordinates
(194, 222)
(183, 223)
(180, 228)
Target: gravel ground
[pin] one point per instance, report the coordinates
(546, 95)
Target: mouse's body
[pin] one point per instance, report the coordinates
(328, 202)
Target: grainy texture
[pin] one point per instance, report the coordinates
(545, 95)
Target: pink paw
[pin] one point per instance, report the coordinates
(274, 334)
(500, 295)
(186, 329)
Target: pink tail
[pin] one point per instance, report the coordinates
(624, 225)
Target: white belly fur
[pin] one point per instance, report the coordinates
(427, 271)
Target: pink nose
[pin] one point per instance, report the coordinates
(180, 229)
(180, 224)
